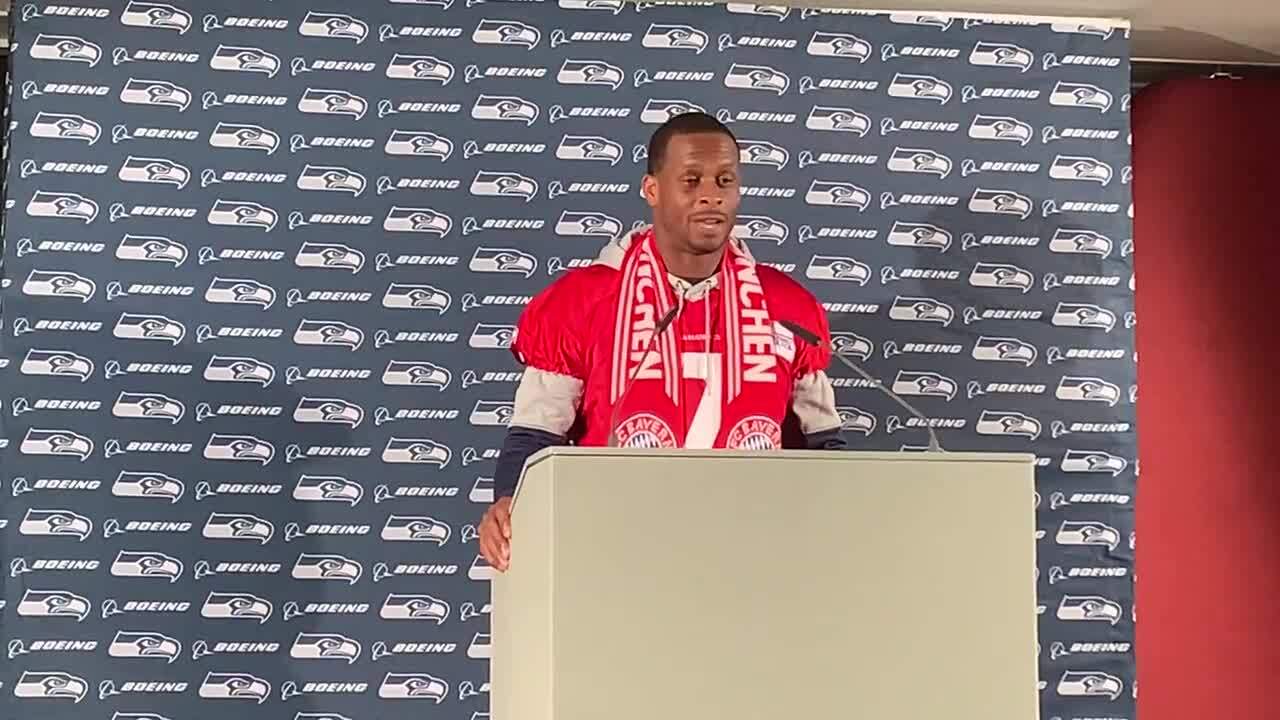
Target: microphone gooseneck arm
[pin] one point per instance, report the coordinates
(811, 338)
(658, 329)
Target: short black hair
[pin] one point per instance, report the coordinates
(683, 124)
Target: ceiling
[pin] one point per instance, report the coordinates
(1206, 31)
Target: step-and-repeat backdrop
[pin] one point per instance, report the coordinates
(262, 264)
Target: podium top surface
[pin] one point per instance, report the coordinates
(568, 451)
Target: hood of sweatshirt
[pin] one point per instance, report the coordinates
(612, 253)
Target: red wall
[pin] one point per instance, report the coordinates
(1207, 260)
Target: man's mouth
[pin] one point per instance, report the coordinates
(712, 220)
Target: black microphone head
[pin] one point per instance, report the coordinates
(801, 332)
(666, 320)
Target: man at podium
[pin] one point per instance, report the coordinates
(675, 336)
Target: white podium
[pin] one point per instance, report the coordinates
(724, 585)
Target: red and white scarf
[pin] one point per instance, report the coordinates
(752, 392)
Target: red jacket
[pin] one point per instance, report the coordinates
(564, 339)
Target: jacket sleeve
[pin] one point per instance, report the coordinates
(813, 399)
(549, 344)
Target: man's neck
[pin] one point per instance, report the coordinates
(687, 266)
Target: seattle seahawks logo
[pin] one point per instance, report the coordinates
(1081, 241)
(146, 564)
(839, 45)
(487, 336)
(335, 568)
(59, 284)
(504, 184)
(414, 607)
(235, 58)
(331, 178)
(418, 220)
(778, 11)
(157, 16)
(419, 67)
(834, 267)
(1081, 95)
(50, 685)
(416, 451)
(838, 119)
(506, 32)
(1073, 167)
(505, 107)
(241, 213)
(920, 87)
(924, 384)
(148, 485)
(133, 326)
(56, 523)
(1083, 315)
(236, 606)
(53, 604)
(328, 333)
(325, 646)
(238, 291)
(590, 72)
(234, 686)
(1001, 275)
(416, 297)
(614, 6)
(920, 160)
(151, 248)
(333, 25)
(57, 443)
(1000, 202)
(756, 77)
(1000, 422)
(416, 528)
(242, 448)
(62, 205)
(65, 126)
(1003, 128)
(420, 143)
(160, 93)
(332, 102)
(57, 363)
(1003, 55)
(154, 170)
(656, 112)
(502, 260)
(1004, 349)
(675, 37)
(332, 411)
(762, 228)
(329, 256)
(68, 48)
(321, 488)
(144, 645)
(589, 147)
(147, 406)
(824, 192)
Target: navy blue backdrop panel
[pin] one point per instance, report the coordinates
(261, 272)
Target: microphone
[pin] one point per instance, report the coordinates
(811, 338)
(657, 331)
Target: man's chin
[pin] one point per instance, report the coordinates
(707, 246)
(708, 239)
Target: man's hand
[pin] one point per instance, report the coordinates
(495, 534)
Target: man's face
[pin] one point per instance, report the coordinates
(694, 195)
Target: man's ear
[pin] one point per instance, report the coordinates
(649, 186)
